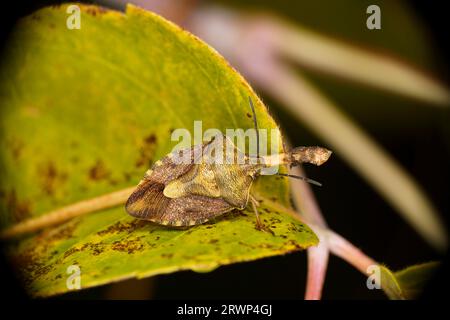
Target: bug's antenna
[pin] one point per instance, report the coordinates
(301, 178)
(256, 125)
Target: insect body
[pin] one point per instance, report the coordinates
(210, 183)
(188, 192)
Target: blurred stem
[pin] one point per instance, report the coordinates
(68, 212)
(347, 251)
(306, 203)
(329, 242)
(332, 242)
(339, 58)
(317, 270)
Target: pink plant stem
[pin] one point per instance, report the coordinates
(317, 269)
(317, 256)
(305, 201)
(347, 251)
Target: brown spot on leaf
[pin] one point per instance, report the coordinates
(296, 227)
(295, 244)
(31, 264)
(16, 147)
(94, 10)
(246, 245)
(113, 182)
(74, 159)
(71, 251)
(150, 139)
(122, 227)
(53, 254)
(99, 171)
(33, 260)
(50, 177)
(36, 17)
(266, 246)
(274, 220)
(61, 233)
(96, 248)
(19, 209)
(146, 150)
(42, 271)
(129, 246)
(127, 176)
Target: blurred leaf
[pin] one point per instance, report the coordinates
(409, 282)
(339, 58)
(413, 279)
(403, 35)
(402, 32)
(85, 112)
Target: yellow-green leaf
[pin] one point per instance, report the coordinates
(407, 283)
(86, 112)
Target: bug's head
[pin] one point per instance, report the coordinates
(313, 155)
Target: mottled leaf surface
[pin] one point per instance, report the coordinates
(86, 112)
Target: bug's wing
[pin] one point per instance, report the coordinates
(174, 165)
(148, 201)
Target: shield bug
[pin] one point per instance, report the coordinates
(186, 193)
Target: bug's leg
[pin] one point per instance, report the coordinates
(259, 224)
(254, 200)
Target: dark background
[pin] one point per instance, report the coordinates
(345, 195)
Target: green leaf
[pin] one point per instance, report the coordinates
(409, 282)
(86, 112)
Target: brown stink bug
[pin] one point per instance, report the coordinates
(187, 193)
